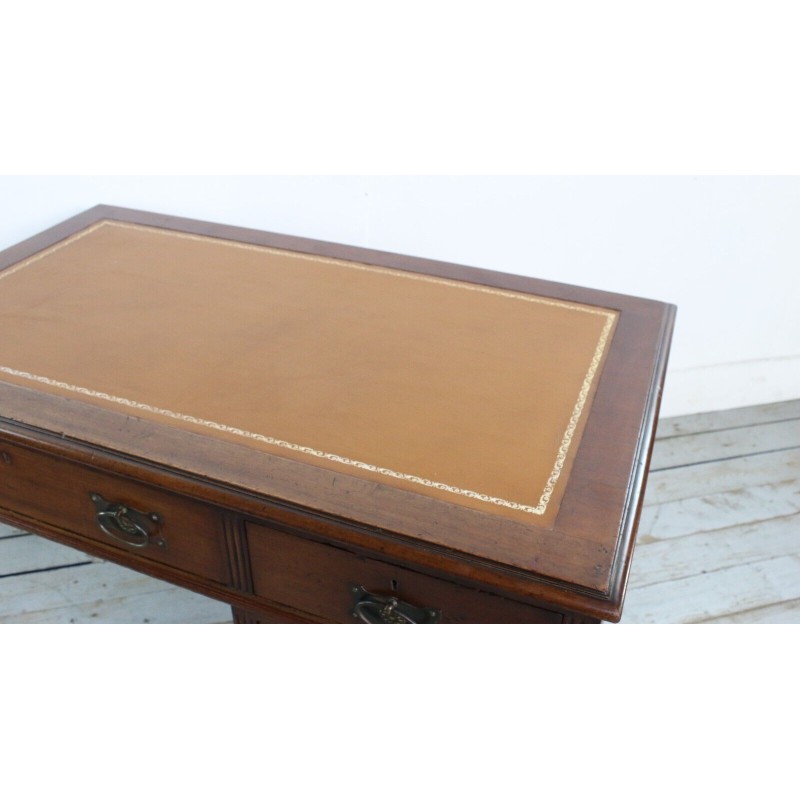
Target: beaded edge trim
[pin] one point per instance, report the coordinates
(269, 440)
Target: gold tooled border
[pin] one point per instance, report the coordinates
(269, 440)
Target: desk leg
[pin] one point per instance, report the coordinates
(243, 616)
(240, 616)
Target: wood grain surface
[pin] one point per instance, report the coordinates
(735, 573)
(578, 564)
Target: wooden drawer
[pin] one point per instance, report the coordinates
(59, 493)
(317, 579)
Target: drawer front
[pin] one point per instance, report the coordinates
(137, 519)
(325, 581)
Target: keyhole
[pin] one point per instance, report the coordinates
(393, 584)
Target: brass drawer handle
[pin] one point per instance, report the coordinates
(125, 524)
(376, 609)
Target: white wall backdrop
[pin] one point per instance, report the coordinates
(725, 250)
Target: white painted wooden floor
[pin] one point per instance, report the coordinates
(719, 540)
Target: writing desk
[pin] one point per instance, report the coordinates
(315, 432)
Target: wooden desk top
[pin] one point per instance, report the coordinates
(498, 417)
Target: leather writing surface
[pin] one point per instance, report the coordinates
(467, 393)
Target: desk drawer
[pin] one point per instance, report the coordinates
(326, 582)
(136, 519)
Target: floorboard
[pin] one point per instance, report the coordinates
(719, 538)
(701, 553)
(7, 530)
(732, 418)
(716, 510)
(102, 592)
(722, 476)
(713, 594)
(30, 553)
(776, 614)
(698, 448)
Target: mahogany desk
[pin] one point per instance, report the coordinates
(314, 432)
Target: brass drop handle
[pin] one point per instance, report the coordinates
(127, 525)
(376, 609)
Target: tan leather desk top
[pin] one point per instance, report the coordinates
(455, 390)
